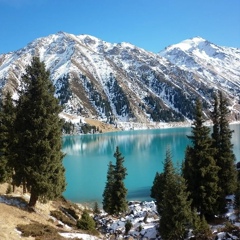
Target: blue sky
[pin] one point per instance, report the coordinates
(149, 24)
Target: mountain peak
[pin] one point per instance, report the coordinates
(189, 44)
(119, 81)
(197, 39)
(60, 33)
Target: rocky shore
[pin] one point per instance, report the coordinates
(143, 217)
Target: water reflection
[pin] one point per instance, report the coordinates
(87, 158)
(129, 141)
(141, 194)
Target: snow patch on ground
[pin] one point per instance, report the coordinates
(13, 201)
(71, 118)
(142, 215)
(78, 235)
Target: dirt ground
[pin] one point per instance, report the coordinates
(11, 216)
(104, 127)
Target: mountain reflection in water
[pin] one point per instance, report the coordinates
(87, 158)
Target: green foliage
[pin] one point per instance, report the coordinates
(232, 229)
(200, 169)
(71, 212)
(7, 138)
(157, 190)
(68, 127)
(87, 223)
(86, 128)
(96, 209)
(63, 218)
(120, 192)
(176, 216)
(64, 93)
(109, 188)
(96, 97)
(114, 195)
(183, 103)
(128, 226)
(101, 103)
(38, 163)
(119, 99)
(224, 156)
(237, 198)
(158, 112)
(159, 182)
(201, 229)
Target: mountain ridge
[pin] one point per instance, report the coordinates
(121, 82)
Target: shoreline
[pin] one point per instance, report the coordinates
(104, 127)
(134, 126)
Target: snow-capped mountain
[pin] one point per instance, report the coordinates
(218, 66)
(120, 81)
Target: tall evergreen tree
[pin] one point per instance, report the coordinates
(200, 169)
(107, 194)
(39, 156)
(7, 118)
(226, 157)
(215, 115)
(176, 215)
(114, 195)
(120, 191)
(237, 197)
(159, 183)
(157, 190)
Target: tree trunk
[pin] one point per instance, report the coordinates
(24, 186)
(33, 200)
(13, 187)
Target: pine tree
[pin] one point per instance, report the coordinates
(86, 222)
(107, 194)
(226, 160)
(237, 198)
(114, 195)
(39, 157)
(176, 216)
(160, 181)
(215, 119)
(200, 169)
(157, 190)
(7, 118)
(120, 191)
(224, 156)
(201, 229)
(96, 209)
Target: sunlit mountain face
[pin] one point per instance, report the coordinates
(121, 82)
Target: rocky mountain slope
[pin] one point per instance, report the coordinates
(121, 82)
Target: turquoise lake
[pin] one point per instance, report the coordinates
(87, 158)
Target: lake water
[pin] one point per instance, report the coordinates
(87, 158)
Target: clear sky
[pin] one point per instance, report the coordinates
(149, 24)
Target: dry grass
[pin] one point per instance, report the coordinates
(13, 217)
(103, 127)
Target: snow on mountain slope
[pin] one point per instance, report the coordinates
(218, 65)
(121, 82)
